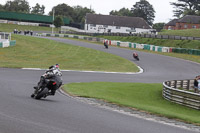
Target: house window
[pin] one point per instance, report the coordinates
(109, 30)
(132, 28)
(185, 26)
(105, 26)
(93, 25)
(118, 27)
(194, 26)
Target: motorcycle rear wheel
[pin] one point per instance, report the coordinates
(42, 93)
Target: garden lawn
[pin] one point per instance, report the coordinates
(142, 96)
(32, 52)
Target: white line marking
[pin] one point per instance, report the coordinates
(141, 71)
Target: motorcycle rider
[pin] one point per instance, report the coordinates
(135, 55)
(106, 44)
(53, 73)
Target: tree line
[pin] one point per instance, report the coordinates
(76, 14)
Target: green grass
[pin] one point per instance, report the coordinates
(194, 58)
(188, 32)
(41, 53)
(142, 96)
(11, 27)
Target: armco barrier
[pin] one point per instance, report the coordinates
(73, 36)
(159, 36)
(186, 51)
(178, 91)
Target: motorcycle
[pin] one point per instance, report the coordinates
(136, 57)
(106, 45)
(51, 85)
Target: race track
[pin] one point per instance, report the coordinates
(62, 114)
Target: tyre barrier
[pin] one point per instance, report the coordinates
(95, 39)
(180, 92)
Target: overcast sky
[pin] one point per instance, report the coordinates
(162, 7)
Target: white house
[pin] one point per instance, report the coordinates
(96, 23)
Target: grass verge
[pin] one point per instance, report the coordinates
(194, 58)
(11, 27)
(41, 53)
(186, 32)
(142, 96)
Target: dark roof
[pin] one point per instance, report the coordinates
(190, 19)
(135, 22)
(172, 22)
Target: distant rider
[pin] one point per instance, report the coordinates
(106, 44)
(135, 55)
(53, 73)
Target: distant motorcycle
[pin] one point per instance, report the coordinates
(135, 56)
(106, 45)
(50, 85)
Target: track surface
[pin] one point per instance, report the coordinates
(61, 114)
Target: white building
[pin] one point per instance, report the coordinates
(96, 23)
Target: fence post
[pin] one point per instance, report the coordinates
(188, 84)
(182, 84)
(175, 82)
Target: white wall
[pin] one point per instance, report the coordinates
(105, 29)
(67, 28)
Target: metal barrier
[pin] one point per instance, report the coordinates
(143, 35)
(180, 91)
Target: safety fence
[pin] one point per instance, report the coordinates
(95, 39)
(128, 44)
(156, 36)
(181, 92)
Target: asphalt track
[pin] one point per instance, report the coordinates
(62, 114)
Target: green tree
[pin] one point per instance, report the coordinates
(58, 22)
(17, 6)
(1, 7)
(80, 13)
(158, 26)
(122, 12)
(37, 9)
(186, 7)
(145, 10)
(63, 10)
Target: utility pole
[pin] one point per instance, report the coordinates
(53, 20)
